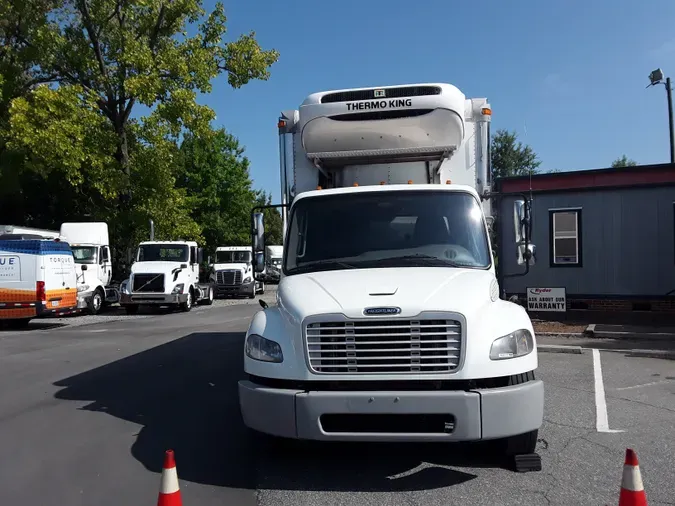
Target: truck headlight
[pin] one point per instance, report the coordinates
(124, 288)
(259, 348)
(515, 344)
(247, 279)
(178, 288)
(82, 288)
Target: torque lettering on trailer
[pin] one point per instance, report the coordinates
(379, 104)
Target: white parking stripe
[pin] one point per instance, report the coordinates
(602, 422)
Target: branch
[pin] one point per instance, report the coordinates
(155, 32)
(93, 37)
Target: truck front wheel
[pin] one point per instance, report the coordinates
(187, 305)
(522, 444)
(96, 302)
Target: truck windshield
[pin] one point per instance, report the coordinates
(233, 257)
(163, 253)
(387, 229)
(84, 254)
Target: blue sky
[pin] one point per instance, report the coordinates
(569, 76)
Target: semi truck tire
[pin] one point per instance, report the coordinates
(96, 302)
(253, 290)
(209, 296)
(187, 305)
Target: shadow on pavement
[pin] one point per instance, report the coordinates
(35, 324)
(184, 395)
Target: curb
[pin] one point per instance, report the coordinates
(590, 332)
(666, 355)
(561, 334)
(555, 348)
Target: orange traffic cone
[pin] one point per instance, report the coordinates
(169, 493)
(632, 490)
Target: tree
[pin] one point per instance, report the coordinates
(273, 222)
(71, 74)
(510, 157)
(623, 161)
(117, 53)
(215, 176)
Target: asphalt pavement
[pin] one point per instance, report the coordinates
(86, 413)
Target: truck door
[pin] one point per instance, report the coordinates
(194, 265)
(105, 265)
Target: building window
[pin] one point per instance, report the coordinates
(565, 226)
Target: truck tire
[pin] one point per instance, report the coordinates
(187, 305)
(252, 294)
(96, 302)
(522, 444)
(209, 296)
(131, 309)
(262, 288)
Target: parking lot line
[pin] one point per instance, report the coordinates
(602, 421)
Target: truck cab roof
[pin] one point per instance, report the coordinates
(389, 188)
(177, 243)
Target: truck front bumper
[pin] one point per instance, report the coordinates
(84, 298)
(157, 299)
(393, 415)
(243, 289)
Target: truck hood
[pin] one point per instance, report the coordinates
(412, 289)
(154, 267)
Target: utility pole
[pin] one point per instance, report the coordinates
(656, 77)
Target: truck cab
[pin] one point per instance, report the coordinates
(166, 273)
(389, 324)
(91, 250)
(232, 272)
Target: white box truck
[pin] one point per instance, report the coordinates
(166, 273)
(389, 324)
(90, 243)
(232, 272)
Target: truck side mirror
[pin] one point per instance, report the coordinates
(518, 216)
(200, 255)
(258, 233)
(259, 262)
(527, 256)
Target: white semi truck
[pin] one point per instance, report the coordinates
(90, 243)
(166, 273)
(389, 324)
(232, 272)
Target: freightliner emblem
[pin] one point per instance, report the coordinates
(379, 93)
(381, 311)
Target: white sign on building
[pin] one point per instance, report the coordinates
(546, 299)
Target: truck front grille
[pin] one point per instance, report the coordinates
(228, 277)
(384, 346)
(148, 283)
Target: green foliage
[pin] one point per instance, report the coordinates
(623, 161)
(215, 175)
(509, 157)
(71, 73)
(273, 222)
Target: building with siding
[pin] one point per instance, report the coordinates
(607, 236)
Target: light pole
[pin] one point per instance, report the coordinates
(656, 77)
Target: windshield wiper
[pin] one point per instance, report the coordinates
(427, 259)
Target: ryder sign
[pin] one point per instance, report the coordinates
(546, 299)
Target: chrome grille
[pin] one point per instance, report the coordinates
(228, 277)
(384, 346)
